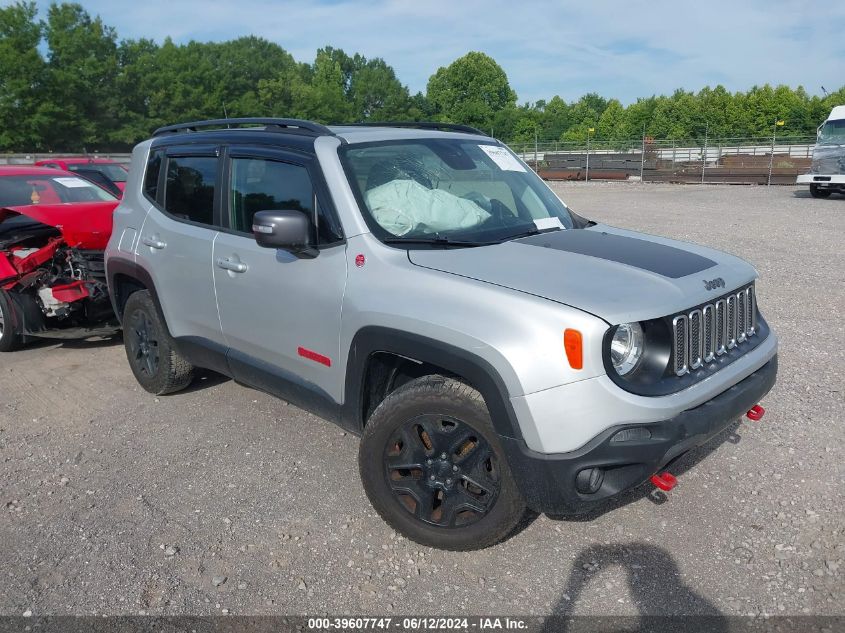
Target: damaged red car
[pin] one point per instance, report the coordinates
(54, 226)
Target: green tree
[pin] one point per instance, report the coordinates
(613, 124)
(377, 94)
(21, 78)
(470, 90)
(80, 97)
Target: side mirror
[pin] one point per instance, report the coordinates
(286, 229)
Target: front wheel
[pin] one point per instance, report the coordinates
(818, 192)
(433, 468)
(10, 335)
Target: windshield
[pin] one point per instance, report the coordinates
(448, 189)
(16, 191)
(832, 133)
(114, 172)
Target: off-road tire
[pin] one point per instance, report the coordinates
(10, 335)
(818, 192)
(429, 398)
(169, 371)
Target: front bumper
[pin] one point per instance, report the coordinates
(822, 180)
(548, 481)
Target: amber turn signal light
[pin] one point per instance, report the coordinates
(572, 343)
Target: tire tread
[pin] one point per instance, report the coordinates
(175, 372)
(417, 395)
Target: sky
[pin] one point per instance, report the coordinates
(623, 49)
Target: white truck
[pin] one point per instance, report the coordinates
(827, 172)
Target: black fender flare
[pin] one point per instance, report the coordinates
(476, 370)
(121, 266)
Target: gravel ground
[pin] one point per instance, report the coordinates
(222, 499)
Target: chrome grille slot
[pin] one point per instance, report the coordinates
(730, 335)
(703, 334)
(695, 340)
(708, 315)
(679, 328)
(721, 327)
(751, 306)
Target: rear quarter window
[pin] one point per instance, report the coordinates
(151, 174)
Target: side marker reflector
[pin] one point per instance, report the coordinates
(573, 345)
(312, 355)
(756, 413)
(665, 481)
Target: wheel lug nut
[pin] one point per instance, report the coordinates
(442, 455)
(454, 468)
(428, 461)
(448, 481)
(432, 478)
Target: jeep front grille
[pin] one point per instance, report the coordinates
(705, 333)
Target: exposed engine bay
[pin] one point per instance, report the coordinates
(51, 266)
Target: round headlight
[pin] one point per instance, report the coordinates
(626, 348)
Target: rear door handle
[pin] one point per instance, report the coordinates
(235, 267)
(153, 242)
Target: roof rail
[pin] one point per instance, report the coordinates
(280, 124)
(423, 125)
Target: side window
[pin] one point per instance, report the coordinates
(189, 191)
(151, 175)
(258, 184)
(266, 185)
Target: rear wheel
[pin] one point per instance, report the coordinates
(432, 467)
(152, 355)
(818, 192)
(10, 335)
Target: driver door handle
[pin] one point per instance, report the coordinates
(153, 242)
(235, 267)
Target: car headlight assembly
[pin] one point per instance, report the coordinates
(626, 348)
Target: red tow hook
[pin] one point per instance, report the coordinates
(665, 481)
(756, 413)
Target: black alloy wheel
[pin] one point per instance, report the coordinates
(434, 469)
(143, 343)
(442, 471)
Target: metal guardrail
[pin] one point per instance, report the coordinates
(32, 157)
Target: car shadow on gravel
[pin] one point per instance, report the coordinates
(203, 379)
(684, 463)
(655, 586)
(805, 193)
(91, 343)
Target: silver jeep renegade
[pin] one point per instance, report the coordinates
(420, 286)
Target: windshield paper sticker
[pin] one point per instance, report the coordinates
(543, 224)
(72, 182)
(502, 157)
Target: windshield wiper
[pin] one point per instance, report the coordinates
(437, 240)
(529, 233)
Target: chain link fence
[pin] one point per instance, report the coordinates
(719, 160)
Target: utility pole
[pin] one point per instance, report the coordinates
(772, 153)
(704, 154)
(642, 155)
(590, 130)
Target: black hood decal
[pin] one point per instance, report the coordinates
(657, 258)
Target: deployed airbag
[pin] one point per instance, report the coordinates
(405, 206)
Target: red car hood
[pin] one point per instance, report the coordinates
(84, 225)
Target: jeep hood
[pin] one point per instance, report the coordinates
(615, 274)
